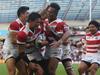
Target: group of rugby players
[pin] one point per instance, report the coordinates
(34, 32)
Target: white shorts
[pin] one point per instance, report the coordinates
(10, 52)
(34, 54)
(91, 57)
(53, 52)
(66, 53)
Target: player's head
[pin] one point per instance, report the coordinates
(55, 6)
(86, 29)
(93, 26)
(34, 19)
(23, 12)
(52, 10)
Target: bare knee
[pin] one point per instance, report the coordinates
(11, 66)
(82, 68)
(39, 72)
(70, 71)
(93, 69)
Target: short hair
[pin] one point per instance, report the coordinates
(55, 5)
(97, 24)
(33, 16)
(21, 10)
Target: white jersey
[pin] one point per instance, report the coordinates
(9, 49)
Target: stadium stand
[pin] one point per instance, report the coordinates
(70, 9)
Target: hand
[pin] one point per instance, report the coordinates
(36, 67)
(31, 44)
(32, 66)
(65, 42)
(43, 43)
(55, 44)
(99, 47)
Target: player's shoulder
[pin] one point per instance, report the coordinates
(25, 29)
(22, 32)
(14, 23)
(59, 20)
(98, 31)
(21, 37)
(13, 26)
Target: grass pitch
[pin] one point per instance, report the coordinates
(60, 70)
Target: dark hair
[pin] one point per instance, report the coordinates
(97, 24)
(33, 16)
(21, 10)
(55, 5)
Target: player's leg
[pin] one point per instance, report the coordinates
(10, 62)
(93, 68)
(83, 67)
(68, 66)
(30, 71)
(35, 57)
(52, 65)
(36, 68)
(54, 56)
(39, 70)
(21, 67)
(44, 64)
(67, 59)
(86, 73)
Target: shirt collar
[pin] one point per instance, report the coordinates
(19, 21)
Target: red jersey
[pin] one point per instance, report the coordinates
(26, 35)
(55, 29)
(92, 42)
(16, 25)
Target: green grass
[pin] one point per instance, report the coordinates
(3, 69)
(60, 70)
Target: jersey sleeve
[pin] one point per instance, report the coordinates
(66, 27)
(14, 26)
(21, 37)
(60, 26)
(83, 39)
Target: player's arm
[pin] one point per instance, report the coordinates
(42, 40)
(64, 37)
(13, 29)
(21, 41)
(22, 55)
(13, 36)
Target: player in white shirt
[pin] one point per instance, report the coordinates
(91, 60)
(10, 52)
(56, 32)
(26, 38)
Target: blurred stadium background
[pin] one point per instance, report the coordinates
(76, 13)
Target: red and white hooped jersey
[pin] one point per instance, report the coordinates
(26, 35)
(57, 27)
(16, 25)
(93, 42)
